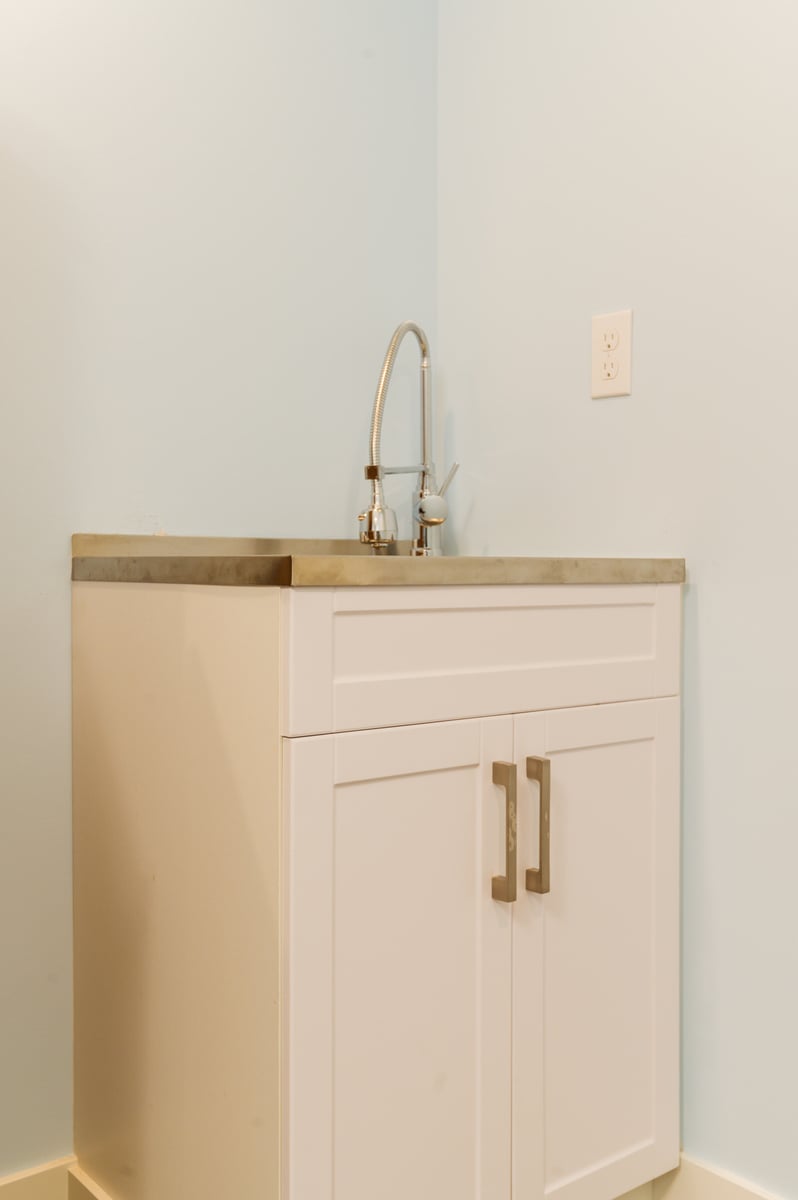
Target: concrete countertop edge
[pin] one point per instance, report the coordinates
(140, 559)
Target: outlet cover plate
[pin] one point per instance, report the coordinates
(611, 355)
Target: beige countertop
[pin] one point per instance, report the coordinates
(297, 562)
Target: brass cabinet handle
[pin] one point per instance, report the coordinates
(537, 878)
(504, 887)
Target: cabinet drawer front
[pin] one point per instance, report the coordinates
(369, 657)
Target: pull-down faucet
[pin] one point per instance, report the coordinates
(378, 523)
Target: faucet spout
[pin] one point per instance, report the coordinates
(382, 389)
(378, 523)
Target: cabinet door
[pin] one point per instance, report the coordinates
(595, 1073)
(399, 977)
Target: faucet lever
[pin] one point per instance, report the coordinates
(455, 467)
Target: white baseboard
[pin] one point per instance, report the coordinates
(696, 1181)
(48, 1182)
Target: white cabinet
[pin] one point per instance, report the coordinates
(312, 774)
(445, 1043)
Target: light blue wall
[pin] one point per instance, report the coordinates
(212, 216)
(603, 156)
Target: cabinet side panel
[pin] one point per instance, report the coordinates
(176, 859)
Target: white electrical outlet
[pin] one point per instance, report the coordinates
(611, 357)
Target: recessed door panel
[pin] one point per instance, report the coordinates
(401, 996)
(604, 1044)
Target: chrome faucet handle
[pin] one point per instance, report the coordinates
(455, 467)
